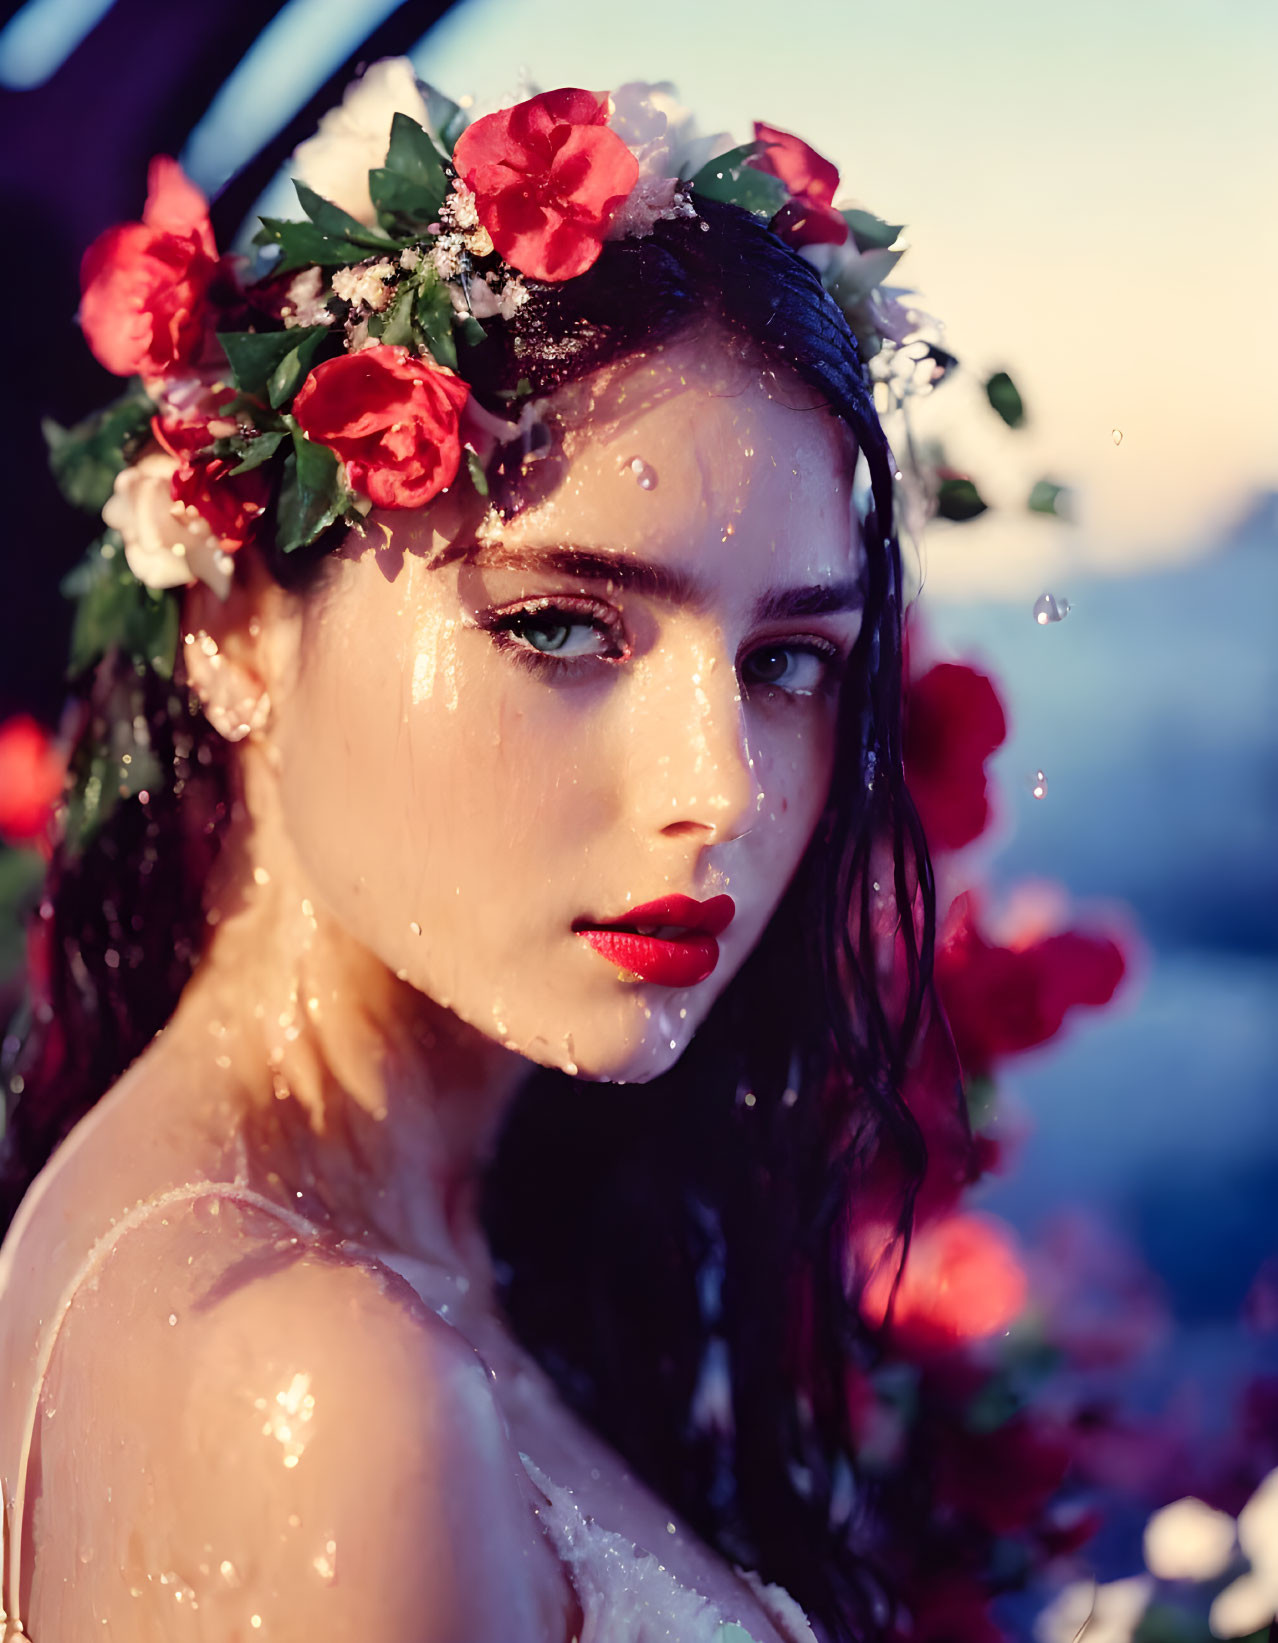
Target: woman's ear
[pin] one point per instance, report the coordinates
(238, 651)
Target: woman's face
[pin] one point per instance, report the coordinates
(504, 741)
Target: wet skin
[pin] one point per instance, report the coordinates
(469, 742)
(621, 693)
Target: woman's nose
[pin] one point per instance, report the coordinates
(698, 758)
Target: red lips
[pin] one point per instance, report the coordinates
(670, 941)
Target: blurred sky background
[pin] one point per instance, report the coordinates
(1090, 194)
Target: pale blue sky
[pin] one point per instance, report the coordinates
(1090, 192)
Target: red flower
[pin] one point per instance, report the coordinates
(808, 217)
(230, 504)
(953, 722)
(31, 777)
(1002, 1478)
(391, 418)
(953, 1608)
(1001, 1000)
(962, 1281)
(548, 177)
(144, 285)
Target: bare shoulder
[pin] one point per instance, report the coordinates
(240, 1422)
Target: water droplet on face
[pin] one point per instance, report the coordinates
(415, 928)
(1048, 608)
(645, 474)
(1116, 434)
(1038, 785)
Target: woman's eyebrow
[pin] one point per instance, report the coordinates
(822, 599)
(675, 587)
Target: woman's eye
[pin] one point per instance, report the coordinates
(800, 669)
(563, 635)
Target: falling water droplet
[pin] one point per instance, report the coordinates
(1116, 434)
(1048, 608)
(644, 473)
(1038, 786)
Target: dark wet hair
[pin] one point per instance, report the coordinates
(678, 1255)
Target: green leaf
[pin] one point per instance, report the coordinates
(253, 452)
(21, 875)
(472, 331)
(413, 181)
(447, 119)
(981, 1095)
(871, 233)
(115, 610)
(1165, 1622)
(312, 495)
(433, 313)
(1003, 395)
(732, 179)
(854, 281)
(287, 376)
(404, 208)
(85, 459)
(302, 244)
(256, 356)
(1048, 497)
(113, 760)
(478, 478)
(395, 326)
(958, 499)
(336, 224)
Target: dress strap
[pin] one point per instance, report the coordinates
(14, 1510)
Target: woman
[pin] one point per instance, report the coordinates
(361, 1301)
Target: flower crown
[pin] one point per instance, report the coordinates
(336, 381)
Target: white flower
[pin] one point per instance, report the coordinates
(478, 299)
(651, 200)
(512, 297)
(364, 285)
(1087, 1613)
(459, 210)
(167, 545)
(850, 275)
(1251, 1601)
(305, 302)
(1189, 1540)
(446, 255)
(459, 216)
(353, 137)
(661, 132)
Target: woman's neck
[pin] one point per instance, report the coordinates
(360, 1097)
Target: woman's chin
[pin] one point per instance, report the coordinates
(636, 1061)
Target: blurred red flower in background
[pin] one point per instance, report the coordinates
(962, 1280)
(31, 777)
(1003, 1478)
(144, 285)
(953, 722)
(1000, 1000)
(954, 1608)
